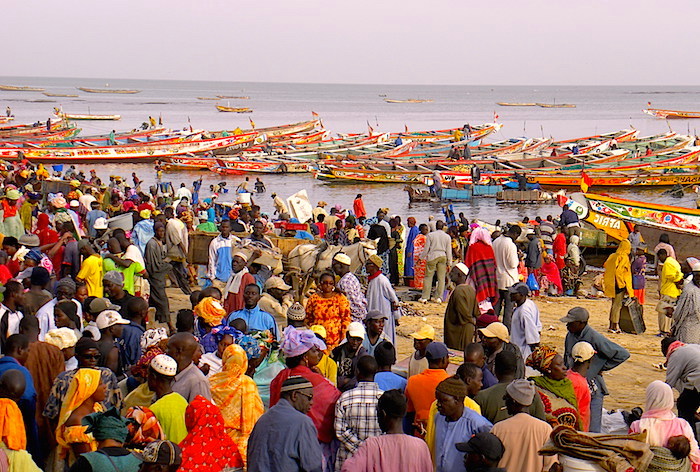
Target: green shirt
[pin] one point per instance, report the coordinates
(170, 411)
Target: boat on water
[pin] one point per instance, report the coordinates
(618, 216)
(67, 95)
(6, 119)
(555, 105)
(516, 104)
(207, 98)
(643, 177)
(15, 88)
(232, 97)
(409, 100)
(234, 109)
(672, 114)
(107, 90)
(86, 116)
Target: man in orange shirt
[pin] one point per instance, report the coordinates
(582, 353)
(358, 207)
(420, 390)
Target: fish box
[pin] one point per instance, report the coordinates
(486, 190)
(456, 194)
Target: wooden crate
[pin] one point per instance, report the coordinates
(198, 250)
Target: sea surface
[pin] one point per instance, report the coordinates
(350, 108)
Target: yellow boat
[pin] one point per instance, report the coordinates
(233, 109)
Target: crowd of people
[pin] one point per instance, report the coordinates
(99, 373)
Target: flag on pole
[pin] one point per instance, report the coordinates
(190, 123)
(370, 130)
(252, 123)
(586, 182)
(314, 114)
(648, 104)
(495, 117)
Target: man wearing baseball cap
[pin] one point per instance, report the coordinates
(608, 355)
(374, 328)
(347, 354)
(417, 362)
(483, 452)
(276, 299)
(522, 435)
(495, 338)
(525, 326)
(582, 353)
(350, 286)
(160, 456)
(420, 389)
(111, 326)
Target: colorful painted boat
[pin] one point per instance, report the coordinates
(6, 119)
(13, 88)
(618, 216)
(56, 125)
(672, 114)
(94, 90)
(233, 109)
(665, 176)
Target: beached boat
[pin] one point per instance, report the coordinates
(86, 116)
(409, 100)
(55, 125)
(94, 90)
(6, 119)
(498, 148)
(645, 177)
(619, 136)
(555, 105)
(67, 95)
(515, 104)
(672, 114)
(232, 97)
(617, 217)
(234, 109)
(13, 88)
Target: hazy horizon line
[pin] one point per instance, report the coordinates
(338, 83)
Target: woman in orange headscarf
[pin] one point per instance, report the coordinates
(83, 398)
(237, 396)
(14, 437)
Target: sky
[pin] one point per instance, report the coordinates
(451, 42)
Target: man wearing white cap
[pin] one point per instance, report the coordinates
(92, 217)
(522, 435)
(462, 310)
(111, 326)
(350, 286)
(276, 300)
(495, 339)
(582, 353)
(347, 354)
(169, 407)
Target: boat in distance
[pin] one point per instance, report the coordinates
(234, 109)
(68, 95)
(232, 97)
(85, 116)
(516, 104)
(94, 90)
(671, 114)
(16, 88)
(555, 105)
(410, 100)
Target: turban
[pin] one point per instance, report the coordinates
(453, 386)
(59, 202)
(210, 311)
(541, 358)
(296, 342)
(144, 427)
(62, 338)
(107, 425)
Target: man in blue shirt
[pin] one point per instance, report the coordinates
(608, 356)
(219, 268)
(92, 216)
(455, 424)
(255, 318)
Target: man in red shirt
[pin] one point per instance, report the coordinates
(420, 389)
(358, 207)
(582, 352)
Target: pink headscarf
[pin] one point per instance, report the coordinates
(480, 234)
(659, 400)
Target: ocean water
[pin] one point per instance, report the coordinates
(349, 108)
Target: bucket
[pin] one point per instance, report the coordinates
(571, 464)
(244, 198)
(125, 222)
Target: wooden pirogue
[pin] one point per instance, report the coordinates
(94, 90)
(672, 114)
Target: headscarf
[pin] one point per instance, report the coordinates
(618, 270)
(541, 358)
(674, 345)
(659, 400)
(106, 425)
(210, 311)
(82, 387)
(62, 338)
(237, 396)
(207, 447)
(250, 345)
(12, 431)
(218, 332)
(480, 234)
(296, 342)
(143, 429)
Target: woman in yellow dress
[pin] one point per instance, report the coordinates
(83, 398)
(237, 397)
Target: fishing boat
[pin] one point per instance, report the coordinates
(207, 98)
(418, 195)
(232, 97)
(672, 114)
(268, 166)
(410, 100)
(108, 90)
(102, 154)
(13, 88)
(6, 119)
(618, 216)
(55, 125)
(86, 116)
(555, 105)
(234, 109)
(645, 177)
(67, 95)
(515, 104)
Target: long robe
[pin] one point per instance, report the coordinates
(686, 316)
(460, 317)
(380, 294)
(408, 263)
(158, 269)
